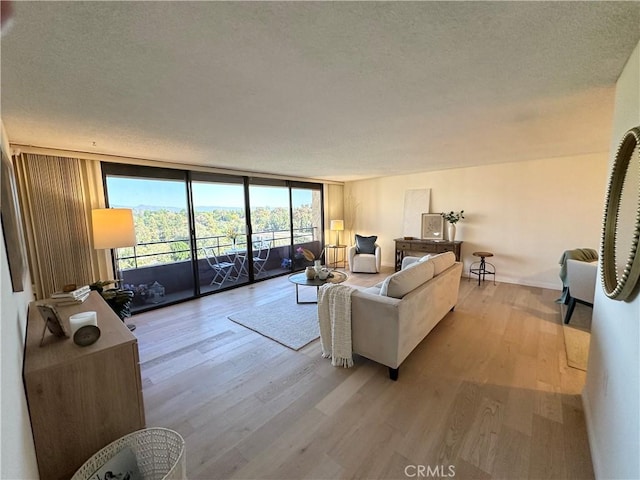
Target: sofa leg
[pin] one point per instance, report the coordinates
(570, 307)
(393, 373)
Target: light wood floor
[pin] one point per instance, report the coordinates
(488, 393)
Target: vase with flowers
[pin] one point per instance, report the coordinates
(453, 218)
(311, 257)
(232, 234)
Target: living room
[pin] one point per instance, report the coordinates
(527, 209)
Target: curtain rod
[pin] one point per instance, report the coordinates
(17, 148)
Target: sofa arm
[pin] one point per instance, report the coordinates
(351, 252)
(581, 279)
(378, 253)
(374, 327)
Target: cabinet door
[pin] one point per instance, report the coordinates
(79, 407)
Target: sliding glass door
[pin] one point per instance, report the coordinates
(285, 217)
(198, 233)
(306, 208)
(159, 269)
(270, 228)
(220, 227)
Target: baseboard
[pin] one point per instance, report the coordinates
(518, 281)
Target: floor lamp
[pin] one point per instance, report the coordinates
(112, 229)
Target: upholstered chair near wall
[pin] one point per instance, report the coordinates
(365, 256)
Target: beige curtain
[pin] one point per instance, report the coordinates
(57, 195)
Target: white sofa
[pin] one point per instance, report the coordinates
(390, 319)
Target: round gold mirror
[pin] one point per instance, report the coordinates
(621, 224)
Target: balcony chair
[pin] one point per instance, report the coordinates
(222, 269)
(260, 258)
(365, 256)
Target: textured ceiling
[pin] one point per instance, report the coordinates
(328, 90)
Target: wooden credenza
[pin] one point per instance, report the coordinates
(418, 246)
(80, 398)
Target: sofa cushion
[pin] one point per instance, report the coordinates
(366, 244)
(442, 261)
(375, 290)
(404, 281)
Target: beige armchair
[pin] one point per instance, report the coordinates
(581, 285)
(364, 262)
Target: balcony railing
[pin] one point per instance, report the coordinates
(219, 243)
(175, 275)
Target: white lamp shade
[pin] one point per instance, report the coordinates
(337, 224)
(113, 228)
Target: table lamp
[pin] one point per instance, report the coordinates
(338, 226)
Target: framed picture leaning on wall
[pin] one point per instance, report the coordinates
(432, 226)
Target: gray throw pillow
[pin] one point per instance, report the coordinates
(366, 244)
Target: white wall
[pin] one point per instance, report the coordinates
(526, 213)
(612, 391)
(17, 455)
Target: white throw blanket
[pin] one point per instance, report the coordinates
(334, 317)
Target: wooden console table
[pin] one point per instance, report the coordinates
(80, 398)
(417, 246)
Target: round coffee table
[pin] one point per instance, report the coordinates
(301, 279)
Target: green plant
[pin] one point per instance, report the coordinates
(453, 217)
(118, 299)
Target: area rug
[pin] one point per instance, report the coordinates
(284, 321)
(577, 336)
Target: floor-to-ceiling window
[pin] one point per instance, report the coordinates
(198, 232)
(285, 216)
(220, 226)
(270, 227)
(159, 269)
(306, 208)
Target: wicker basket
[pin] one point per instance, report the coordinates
(159, 452)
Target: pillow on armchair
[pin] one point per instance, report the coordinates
(366, 244)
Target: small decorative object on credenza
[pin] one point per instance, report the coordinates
(84, 328)
(453, 218)
(52, 322)
(67, 297)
